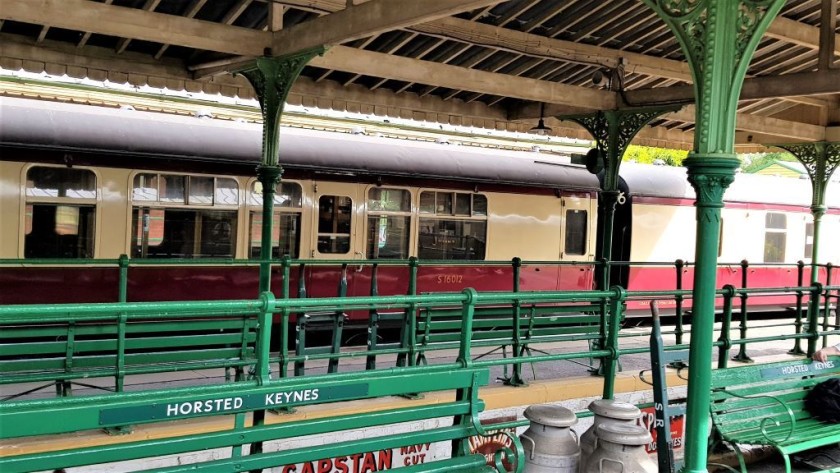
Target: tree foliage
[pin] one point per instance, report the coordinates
(651, 155)
(675, 157)
(754, 162)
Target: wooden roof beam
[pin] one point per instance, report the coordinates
(752, 123)
(542, 47)
(760, 124)
(426, 72)
(792, 31)
(369, 18)
(122, 22)
(800, 84)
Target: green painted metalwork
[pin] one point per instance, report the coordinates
(613, 130)
(742, 352)
(800, 279)
(820, 159)
(261, 392)
(679, 330)
(610, 362)
(826, 312)
(123, 281)
(272, 79)
(718, 38)
(725, 339)
(663, 408)
(762, 405)
(813, 318)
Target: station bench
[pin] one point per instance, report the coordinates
(764, 405)
(518, 326)
(65, 353)
(28, 418)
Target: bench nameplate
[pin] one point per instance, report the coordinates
(783, 371)
(231, 404)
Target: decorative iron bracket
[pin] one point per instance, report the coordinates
(613, 130)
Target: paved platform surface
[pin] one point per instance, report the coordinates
(827, 458)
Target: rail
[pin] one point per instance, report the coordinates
(72, 342)
(136, 407)
(414, 266)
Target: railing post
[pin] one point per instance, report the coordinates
(373, 319)
(467, 313)
(603, 306)
(813, 316)
(516, 348)
(410, 327)
(678, 329)
(610, 362)
(742, 350)
(302, 281)
(285, 318)
(122, 320)
(827, 303)
(264, 337)
(725, 334)
(516, 263)
(123, 288)
(797, 324)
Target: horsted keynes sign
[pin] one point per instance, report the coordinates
(231, 404)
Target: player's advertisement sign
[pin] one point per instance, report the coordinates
(648, 421)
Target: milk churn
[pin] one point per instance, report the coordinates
(620, 449)
(606, 411)
(550, 444)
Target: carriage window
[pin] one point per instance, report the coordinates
(576, 232)
(285, 228)
(178, 216)
(60, 213)
(453, 226)
(389, 221)
(334, 219)
(775, 234)
(809, 240)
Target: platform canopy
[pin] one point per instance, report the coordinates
(486, 63)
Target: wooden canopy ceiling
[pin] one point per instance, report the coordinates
(489, 63)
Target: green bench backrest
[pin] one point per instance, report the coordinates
(62, 351)
(788, 382)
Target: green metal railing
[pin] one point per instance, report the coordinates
(29, 417)
(126, 320)
(413, 265)
(253, 325)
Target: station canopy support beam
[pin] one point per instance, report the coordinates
(718, 38)
(612, 130)
(272, 79)
(820, 159)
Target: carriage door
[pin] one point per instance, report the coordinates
(576, 242)
(335, 235)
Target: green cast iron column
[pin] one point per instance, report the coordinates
(718, 38)
(272, 79)
(613, 130)
(820, 159)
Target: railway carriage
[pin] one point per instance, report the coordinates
(89, 183)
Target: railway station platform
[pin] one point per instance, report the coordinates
(564, 383)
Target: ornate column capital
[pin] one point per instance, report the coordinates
(272, 79)
(711, 175)
(821, 159)
(613, 130)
